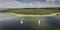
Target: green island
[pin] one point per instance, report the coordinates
(31, 11)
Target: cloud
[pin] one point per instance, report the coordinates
(17, 4)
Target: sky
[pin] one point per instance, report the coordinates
(29, 3)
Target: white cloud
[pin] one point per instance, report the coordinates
(16, 4)
(50, 0)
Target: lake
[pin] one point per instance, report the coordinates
(12, 22)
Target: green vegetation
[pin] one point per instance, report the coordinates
(33, 11)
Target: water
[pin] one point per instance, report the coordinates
(29, 23)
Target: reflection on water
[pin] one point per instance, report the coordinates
(29, 23)
(39, 22)
(22, 21)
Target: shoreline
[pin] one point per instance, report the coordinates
(23, 15)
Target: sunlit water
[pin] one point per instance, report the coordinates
(12, 22)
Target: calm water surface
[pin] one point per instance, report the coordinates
(11, 22)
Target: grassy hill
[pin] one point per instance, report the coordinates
(32, 11)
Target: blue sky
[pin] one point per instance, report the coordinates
(29, 3)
